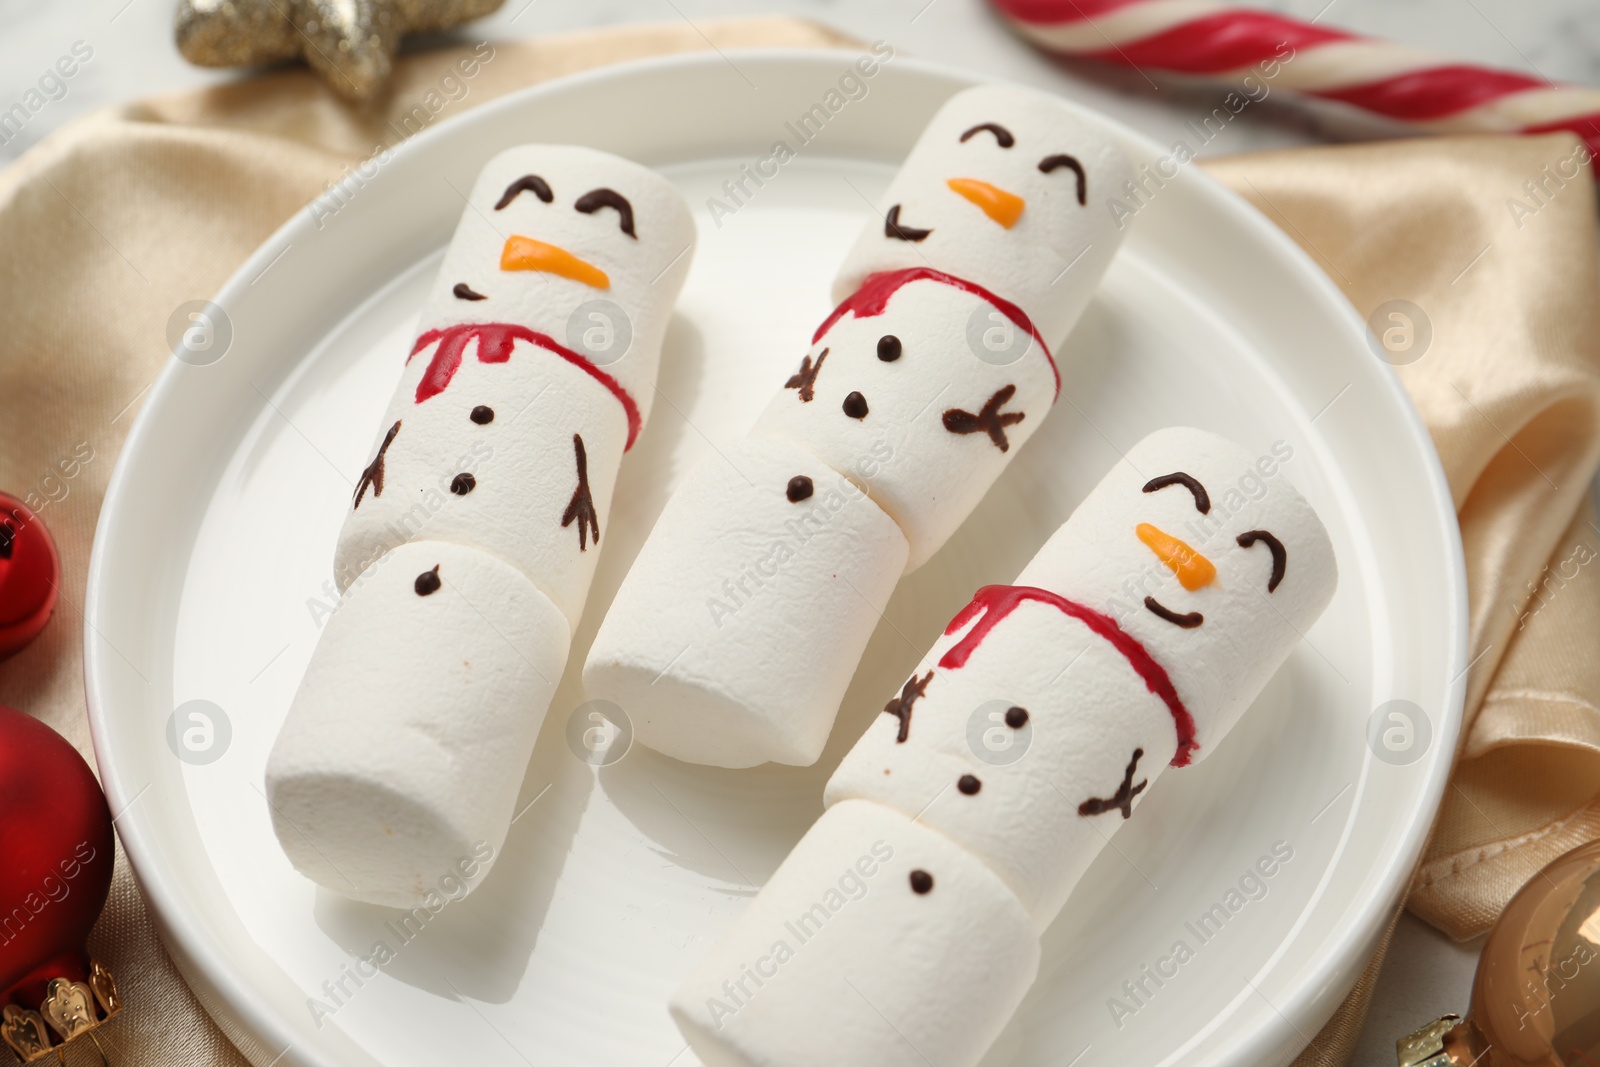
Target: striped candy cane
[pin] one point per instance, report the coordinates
(1208, 39)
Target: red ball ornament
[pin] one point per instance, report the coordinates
(30, 574)
(56, 860)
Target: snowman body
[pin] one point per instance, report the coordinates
(898, 372)
(519, 370)
(474, 528)
(492, 462)
(919, 389)
(1030, 732)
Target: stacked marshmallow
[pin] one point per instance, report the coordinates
(1132, 642)
(474, 530)
(733, 638)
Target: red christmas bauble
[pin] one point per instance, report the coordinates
(55, 858)
(30, 573)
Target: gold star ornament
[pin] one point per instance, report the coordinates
(351, 43)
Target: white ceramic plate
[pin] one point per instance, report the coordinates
(216, 541)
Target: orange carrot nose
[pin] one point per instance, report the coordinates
(524, 253)
(1194, 571)
(1001, 206)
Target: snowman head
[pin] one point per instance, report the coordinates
(1006, 188)
(586, 247)
(1202, 552)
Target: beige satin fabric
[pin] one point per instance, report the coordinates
(109, 225)
(1510, 390)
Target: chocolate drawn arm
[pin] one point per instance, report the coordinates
(581, 508)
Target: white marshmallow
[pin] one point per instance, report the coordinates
(912, 430)
(936, 475)
(1051, 258)
(1087, 712)
(1110, 700)
(840, 961)
(522, 466)
(1096, 558)
(644, 271)
(407, 741)
(548, 360)
(733, 638)
(1090, 704)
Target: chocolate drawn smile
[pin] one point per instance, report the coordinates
(1187, 621)
(893, 229)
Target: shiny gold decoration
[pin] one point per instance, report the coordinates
(351, 43)
(1424, 1046)
(105, 988)
(25, 1032)
(70, 1010)
(1536, 996)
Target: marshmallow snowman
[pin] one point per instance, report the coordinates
(1031, 731)
(533, 371)
(919, 389)
(1000, 156)
(896, 373)
(473, 532)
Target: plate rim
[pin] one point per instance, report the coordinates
(226, 985)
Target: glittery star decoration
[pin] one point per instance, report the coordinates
(351, 43)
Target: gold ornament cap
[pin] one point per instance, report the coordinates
(70, 1010)
(1445, 1042)
(1536, 994)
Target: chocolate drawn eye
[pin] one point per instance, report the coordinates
(1002, 135)
(1050, 163)
(595, 199)
(525, 184)
(1202, 499)
(1280, 555)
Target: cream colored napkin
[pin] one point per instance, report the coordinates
(1509, 386)
(106, 227)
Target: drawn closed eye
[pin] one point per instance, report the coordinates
(1280, 555)
(1202, 499)
(595, 199)
(1002, 135)
(1061, 159)
(528, 183)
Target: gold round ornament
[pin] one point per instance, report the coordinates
(1536, 995)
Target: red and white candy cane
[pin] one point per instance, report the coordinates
(1207, 39)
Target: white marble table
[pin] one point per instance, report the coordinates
(132, 56)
